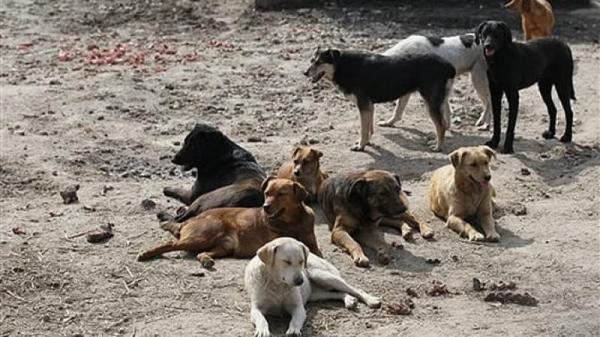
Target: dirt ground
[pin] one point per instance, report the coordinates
(101, 93)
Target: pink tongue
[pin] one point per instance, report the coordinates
(489, 52)
(483, 184)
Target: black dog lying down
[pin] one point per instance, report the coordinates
(369, 78)
(513, 66)
(227, 174)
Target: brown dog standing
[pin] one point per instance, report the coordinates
(537, 18)
(239, 232)
(305, 169)
(463, 191)
(356, 203)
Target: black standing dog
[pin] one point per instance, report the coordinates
(227, 174)
(369, 78)
(513, 66)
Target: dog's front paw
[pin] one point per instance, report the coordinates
(386, 124)
(205, 260)
(262, 332)
(372, 301)
(357, 148)
(475, 236)
(427, 233)
(361, 261)
(483, 127)
(548, 134)
(350, 302)
(566, 138)
(493, 237)
(293, 331)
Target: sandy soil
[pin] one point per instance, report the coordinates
(66, 119)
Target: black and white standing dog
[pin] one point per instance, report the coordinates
(369, 78)
(463, 53)
(513, 66)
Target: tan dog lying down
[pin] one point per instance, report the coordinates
(305, 169)
(284, 276)
(239, 232)
(463, 191)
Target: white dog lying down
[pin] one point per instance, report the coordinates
(463, 53)
(284, 275)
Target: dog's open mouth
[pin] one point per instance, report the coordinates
(482, 184)
(489, 51)
(318, 76)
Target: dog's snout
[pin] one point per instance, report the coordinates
(305, 73)
(298, 281)
(297, 172)
(487, 177)
(267, 207)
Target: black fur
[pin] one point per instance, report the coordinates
(227, 174)
(435, 41)
(467, 40)
(513, 66)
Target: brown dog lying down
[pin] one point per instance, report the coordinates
(356, 203)
(463, 191)
(304, 169)
(537, 18)
(226, 174)
(239, 232)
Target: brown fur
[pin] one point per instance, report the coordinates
(356, 204)
(239, 232)
(537, 18)
(460, 191)
(304, 169)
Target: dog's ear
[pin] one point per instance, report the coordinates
(295, 150)
(267, 253)
(456, 157)
(478, 32)
(306, 252)
(488, 151)
(300, 192)
(265, 183)
(397, 177)
(333, 54)
(359, 188)
(505, 31)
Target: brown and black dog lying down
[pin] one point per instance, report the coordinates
(227, 174)
(355, 204)
(240, 232)
(305, 169)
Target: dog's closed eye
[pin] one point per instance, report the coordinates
(287, 262)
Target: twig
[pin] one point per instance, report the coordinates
(129, 272)
(78, 234)
(126, 286)
(16, 296)
(137, 235)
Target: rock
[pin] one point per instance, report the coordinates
(411, 292)
(101, 234)
(69, 195)
(198, 274)
(400, 308)
(434, 261)
(254, 139)
(525, 171)
(18, 231)
(148, 204)
(511, 297)
(477, 285)
(519, 210)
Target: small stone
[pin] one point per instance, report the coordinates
(519, 210)
(525, 171)
(477, 285)
(254, 139)
(148, 204)
(434, 261)
(55, 82)
(198, 274)
(411, 292)
(100, 235)
(69, 195)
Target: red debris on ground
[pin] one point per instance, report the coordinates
(65, 56)
(18, 231)
(438, 288)
(403, 307)
(25, 46)
(511, 297)
(220, 44)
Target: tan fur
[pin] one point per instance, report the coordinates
(537, 18)
(240, 232)
(305, 169)
(459, 191)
